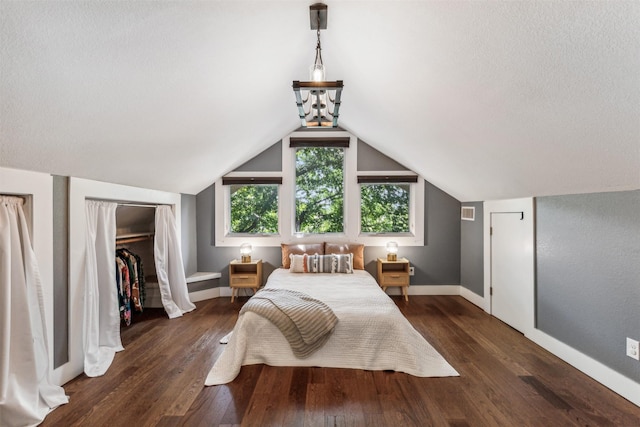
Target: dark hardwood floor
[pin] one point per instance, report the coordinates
(505, 380)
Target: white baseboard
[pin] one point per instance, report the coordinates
(426, 290)
(606, 376)
(472, 297)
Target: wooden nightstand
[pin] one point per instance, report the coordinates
(394, 273)
(244, 275)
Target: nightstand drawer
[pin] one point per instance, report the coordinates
(399, 279)
(248, 281)
(394, 273)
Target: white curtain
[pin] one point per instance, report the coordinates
(101, 314)
(169, 267)
(26, 392)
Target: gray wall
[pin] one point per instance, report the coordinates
(370, 159)
(438, 261)
(588, 274)
(270, 160)
(188, 234)
(472, 251)
(60, 270)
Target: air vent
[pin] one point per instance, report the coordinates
(468, 213)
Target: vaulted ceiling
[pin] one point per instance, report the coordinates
(485, 99)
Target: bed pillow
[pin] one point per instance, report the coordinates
(317, 263)
(347, 248)
(299, 249)
(334, 263)
(298, 263)
(342, 263)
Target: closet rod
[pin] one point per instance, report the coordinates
(136, 205)
(124, 241)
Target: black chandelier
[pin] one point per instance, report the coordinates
(318, 100)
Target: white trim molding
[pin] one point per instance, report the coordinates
(79, 191)
(606, 376)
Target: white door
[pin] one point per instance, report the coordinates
(510, 272)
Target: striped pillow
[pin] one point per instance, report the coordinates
(336, 263)
(318, 263)
(342, 263)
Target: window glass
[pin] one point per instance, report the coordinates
(319, 190)
(254, 209)
(384, 208)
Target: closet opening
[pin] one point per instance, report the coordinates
(136, 278)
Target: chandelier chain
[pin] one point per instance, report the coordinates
(318, 47)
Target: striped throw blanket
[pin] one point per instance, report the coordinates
(305, 322)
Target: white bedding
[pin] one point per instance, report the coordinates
(371, 333)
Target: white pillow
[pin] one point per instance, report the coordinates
(297, 263)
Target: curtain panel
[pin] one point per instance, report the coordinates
(101, 316)
(26, 392)
(169, 267)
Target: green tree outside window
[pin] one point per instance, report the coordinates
(319, 190)
(384, 208)
(254, 209)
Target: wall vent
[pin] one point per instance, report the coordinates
(468, 213)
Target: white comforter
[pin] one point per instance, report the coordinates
(371, 333)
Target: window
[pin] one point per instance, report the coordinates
(384, 208)
(319, 190)
(254, 209)
(319, 195)
(249, 207)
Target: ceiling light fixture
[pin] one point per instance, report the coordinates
(318, 100)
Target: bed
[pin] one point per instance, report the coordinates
(371, 333)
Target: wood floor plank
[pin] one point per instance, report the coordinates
(505, 380)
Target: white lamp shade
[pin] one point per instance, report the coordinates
(245, 252)
(392, 251)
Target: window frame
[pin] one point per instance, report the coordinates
(415, 236)
(352, 214)
(223, 236)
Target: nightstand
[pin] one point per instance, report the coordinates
(394, 273)
(244, 275)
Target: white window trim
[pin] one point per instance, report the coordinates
(286, 204)
(289, 171)
(415, 237)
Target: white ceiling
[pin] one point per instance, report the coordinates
(485, 99)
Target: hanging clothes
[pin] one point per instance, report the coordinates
(26, 393)
(129, 283)
(101, 314)
(123, 284)
(169, 267)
